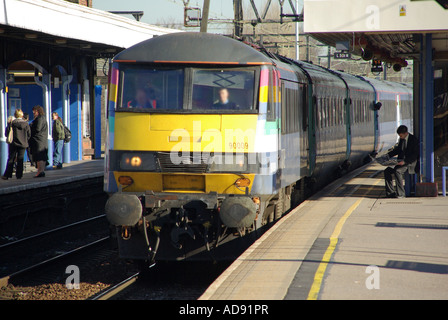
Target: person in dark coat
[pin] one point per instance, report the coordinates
(26, 117)
(39, 140)
(408, 153)
(21, 134)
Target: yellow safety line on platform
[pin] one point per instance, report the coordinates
(319, 275)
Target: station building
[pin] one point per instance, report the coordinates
(48, 55)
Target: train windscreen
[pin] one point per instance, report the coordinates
(151, 88)
(223, 89)
(143, 88)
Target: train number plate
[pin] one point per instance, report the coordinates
(182, 182)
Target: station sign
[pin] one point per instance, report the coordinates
(342, 55)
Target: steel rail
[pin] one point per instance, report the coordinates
(116, 289)
(46, 233)
(5, 280)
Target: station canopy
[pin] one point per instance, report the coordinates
(383, 29)
(61, 23)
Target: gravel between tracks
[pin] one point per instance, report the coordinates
(95, 275)
(166, 281)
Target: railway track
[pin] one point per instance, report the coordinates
(32, 269)
(35, 266)
(48, 233)
(179, 280)
(42, 276)
(97, 266)
(25, 253)
(116, 290)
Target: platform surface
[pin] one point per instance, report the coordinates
(346, 242)
(73, 171)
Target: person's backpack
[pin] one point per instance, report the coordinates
(68, 134)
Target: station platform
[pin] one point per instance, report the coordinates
(73, 171)
(346, 242)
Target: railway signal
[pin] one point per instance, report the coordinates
(192, 17)
(377, 66)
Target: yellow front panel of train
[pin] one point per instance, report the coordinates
(188, 132)
(222, 183)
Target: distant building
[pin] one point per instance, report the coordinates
(87, 3)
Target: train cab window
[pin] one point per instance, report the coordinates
(223, 90)
(151, 88)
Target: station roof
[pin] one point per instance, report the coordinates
(62, 23)
(386, 28)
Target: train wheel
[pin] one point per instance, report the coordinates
(271, 216)
(268, 214)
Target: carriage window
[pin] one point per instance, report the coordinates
(151, 88)
(223, 90)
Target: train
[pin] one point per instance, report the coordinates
(211, 139)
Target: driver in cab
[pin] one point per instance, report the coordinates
(223, 100)
(143, 99)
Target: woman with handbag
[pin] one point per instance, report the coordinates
(18, 133)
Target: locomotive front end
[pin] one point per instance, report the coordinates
(183, 161)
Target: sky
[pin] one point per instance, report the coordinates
(159, 11)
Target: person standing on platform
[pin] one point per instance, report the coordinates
(21, 134)
(407, 152)
(26, 117)
(58, 139)
(39, 141)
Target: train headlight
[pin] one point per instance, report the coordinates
(136, 161)
(133, 161)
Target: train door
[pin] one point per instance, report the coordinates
(375, 120)
(312, 103)
(309, 120)
(304, 143)
(376, 106)
(277, 100)
(348, 122)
